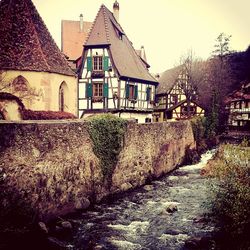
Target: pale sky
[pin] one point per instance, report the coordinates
(166, 28)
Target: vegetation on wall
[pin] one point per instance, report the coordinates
(28, 114)
(231, 194)
(107, 133)
(198, 127)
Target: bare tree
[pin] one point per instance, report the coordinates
(191, 77)
(24, 93)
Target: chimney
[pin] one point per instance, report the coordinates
(116, 10)
(143, 55)
(81, 22)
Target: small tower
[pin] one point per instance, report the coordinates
(116, 10)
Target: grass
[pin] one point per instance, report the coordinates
(230, 199)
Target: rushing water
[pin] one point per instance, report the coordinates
(140, 220)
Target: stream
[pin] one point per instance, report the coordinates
(162, 215)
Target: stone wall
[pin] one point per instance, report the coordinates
(150, 150)
(52, 168)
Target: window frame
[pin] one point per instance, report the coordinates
(97, 89)
(98, 63)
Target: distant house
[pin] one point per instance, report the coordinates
(31, 65)
(112, 77)
(238, 106)
(73, 36)
(175, 96)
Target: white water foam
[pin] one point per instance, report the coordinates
(204, 159)
(133, 228)
(167, 238)
(126, 245)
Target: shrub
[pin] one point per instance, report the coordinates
(107, 133)
(231, 202)
(28, 114)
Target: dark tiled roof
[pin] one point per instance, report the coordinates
(167, 80)
(106, 31)
(241, 94)
(25, 42)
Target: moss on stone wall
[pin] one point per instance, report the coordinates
(107, 133)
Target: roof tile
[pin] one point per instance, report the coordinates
(25, 42)
(107, 31)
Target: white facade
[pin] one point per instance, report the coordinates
(101, 90)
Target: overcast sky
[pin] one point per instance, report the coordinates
(166, 28)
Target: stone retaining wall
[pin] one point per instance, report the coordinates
(51, 166)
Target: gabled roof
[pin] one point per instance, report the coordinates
(106, 31)
(181, 103)
(241, 94)
(25, 42)
(73, 38)
(168, 79)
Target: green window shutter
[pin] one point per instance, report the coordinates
(148, 94)
(89, 90)
(105, 90)
(89, 63)
(127, 91)
(106, 63)
(136, 92)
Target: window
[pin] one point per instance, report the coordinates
(174, 99)
(149, 94)
(20, 84)
(131, 91)
(98, 89)
(246, 104)
(63, 97)
(98, 65)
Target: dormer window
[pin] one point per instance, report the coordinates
(97, 63)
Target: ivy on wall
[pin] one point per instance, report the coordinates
(107, 133)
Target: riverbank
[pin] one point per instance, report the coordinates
(230, 199)
(168, 213)
(164, 214)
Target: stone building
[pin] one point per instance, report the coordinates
(31, 65)
(113, 77)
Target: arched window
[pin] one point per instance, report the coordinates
(63, 97)
(20, 84)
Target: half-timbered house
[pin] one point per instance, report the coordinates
(112, 77)
(176, 96)
(238, 107)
